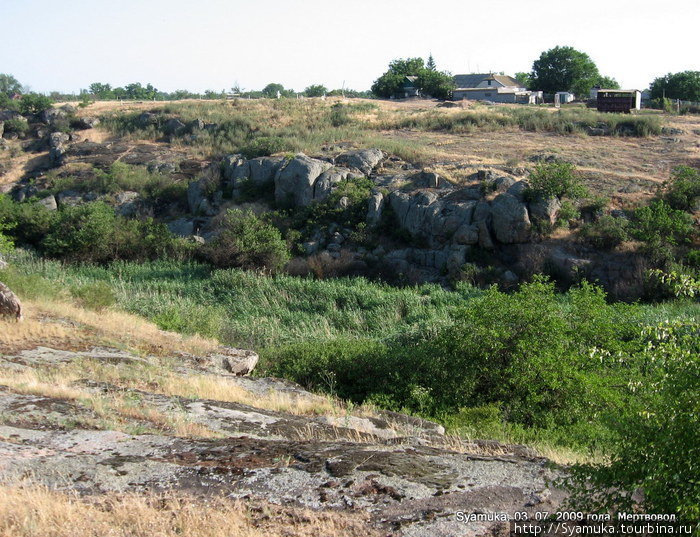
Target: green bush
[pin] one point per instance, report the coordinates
(555, 179)
(659, 224)
(247, 241)
(568, 213)
(34, 103)
(20, 126)
(606, 233)
(94, 296)
(263, 146)
(683, 190)
(657, 450)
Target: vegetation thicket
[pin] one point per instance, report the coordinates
(430, 81)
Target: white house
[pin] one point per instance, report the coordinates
(491, 87)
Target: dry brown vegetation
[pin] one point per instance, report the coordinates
(31, 511)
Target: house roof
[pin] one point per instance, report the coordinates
(473, 80)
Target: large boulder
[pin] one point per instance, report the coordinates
(510, 220)
(237, 361)
(51, 115)
(294, 183)
(374, 208)
(49, 202)
(262, 170)
(57, 139)
(545, 209)
(69, 198)
(87, 122)
(174, 126)
(146, 119)
(364, 160)
(127, 203)
(327, 181)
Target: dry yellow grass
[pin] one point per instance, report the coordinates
(64, 325)
(34, 511)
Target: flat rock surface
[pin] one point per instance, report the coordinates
(397, 468)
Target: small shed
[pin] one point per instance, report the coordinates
(618, 101)
(566, 97)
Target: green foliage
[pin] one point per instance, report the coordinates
(430, 82)
(34, 103)
(566, 69)
(684, 85)
(682, 191)
(606, 232)
(247, 241)
(677, 283)
(9, 85)
(523, 79)
(435, 83)
(316, 90)
(94, 296)
(658, 448)
(263, 147)
(20, 126)
(568, 213)
(271, 90)
(658, 224)
(607, 82)
(558, 179)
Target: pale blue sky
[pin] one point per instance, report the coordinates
(210, 44)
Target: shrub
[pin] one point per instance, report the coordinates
(94, 296)
(555, 179)
(606, 233)
(567, 214)
(659, 224)
(20, 126)
(247, 241)
(34, 103)
(682, 191)
(657, 450)
(263, 146)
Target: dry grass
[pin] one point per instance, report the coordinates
(113, 411)
(63, 325)
(36, 511)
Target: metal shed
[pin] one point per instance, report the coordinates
(619, 101)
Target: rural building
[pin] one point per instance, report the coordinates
(620, 101)
(408, 88)
(491, 87)
(565, 97)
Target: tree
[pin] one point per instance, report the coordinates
(272, 89)
(523, 79)
(684, 85)
(101, 91)
(607, 82)
(9, 84)
(435, 83)
(33, 103)
(430, 82)
(564, 69)
(316, 90)
(431, 63)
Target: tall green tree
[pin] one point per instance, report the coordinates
(270, 91)
(9, 84)
(430, 81)
(523, 79)
(431, 63)
(684, 85)
(316, 90)
(564, 69)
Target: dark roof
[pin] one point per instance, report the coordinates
(473, 80)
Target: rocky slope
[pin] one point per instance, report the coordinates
(101, 420)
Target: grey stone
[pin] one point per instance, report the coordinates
(374, 208)
(51, 115)
(49, 202)
(518, 189)
(511, 223)
(87, 122)
(181, 227)
(294, 183)
(364, 160)
(503, 183)
(545, 210)
(467, 234)
(57, 139)
(146, 119)
(510, 277)
(196, 125)
(236, 361)
(174, 126)
(326, 182)
(69, 198)
(344, 202)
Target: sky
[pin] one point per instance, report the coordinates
(216, 44)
